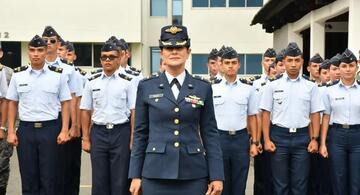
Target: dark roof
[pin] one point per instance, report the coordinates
(277, 13)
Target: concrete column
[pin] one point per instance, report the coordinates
(317, 37)
(354, 26)
(285, 35)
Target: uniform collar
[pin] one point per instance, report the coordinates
(354, 85)
(180, 77)
(54, 63)
(231, 84)
(288, 79)
(103, 75)
(30, 70)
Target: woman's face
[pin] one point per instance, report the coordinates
(173, 57)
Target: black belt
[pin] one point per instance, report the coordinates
(110, 126)
(344, 126)
(292, 130)
(39, 124)
(233, 132)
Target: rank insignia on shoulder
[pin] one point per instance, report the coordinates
(152, 76)
(245, 81)
(276, 78)
(200, 78)
(55, 69)
(216, 81)
(94, 77)
(64, 61)
(96, 71)
(308, 78)
(132, 72)
(331, 83)
(254, 78)
(21, 68)
(123, 76)
(134, 69)
(1, 67)
(358, 82)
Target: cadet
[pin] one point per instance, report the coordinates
(280, 67)
(235, 104)
(175, 125)
(213, 65)
(8, 71)
(272, 70)
(262, 185)
(62, 50)
(324, 71)
(109, 138)
(36, 90)
(6, 150)
(334, 71)
(313, 68)
(294, 102)
(341, 125)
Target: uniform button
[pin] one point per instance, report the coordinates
(153, 149)
(198, 149)
(176, 132)
(176, 109)
(176, 121)
(176, 144)
(156, 100)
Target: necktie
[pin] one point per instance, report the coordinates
(175, 87)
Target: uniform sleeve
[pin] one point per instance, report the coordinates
(266, 99)
(3, 84)
(74, 83)
(131, 95)
(253, 102)
(326, 102)
(64, 92)
(86, 99)
(80, 84)
(317, 104)
(210, 136)
(12, 93)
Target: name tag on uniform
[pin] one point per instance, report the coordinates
(278, 91)
(217, 96)
(96, 90)
(340, 98)
(23, 84)
(159, 95)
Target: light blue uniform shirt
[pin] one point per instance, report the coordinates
(69, 71)
(233, 102)
(259, 86)
(110, 98)
(3, 84)
(38, 93)
(291, 101)
(343, 103)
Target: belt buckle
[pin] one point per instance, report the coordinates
(292, 130)
(109, 126)
(232, 132)
(37, 125)
(346, 126)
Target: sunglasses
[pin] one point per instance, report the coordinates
(110, 57)
(52, 41)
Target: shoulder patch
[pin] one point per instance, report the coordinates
(94, 77)
(134, 69)
(81, 71)
(152, 76)
(215, 81)
(331, 83)
(123, 76)
(55, 69)
(245, 81)
(21, 68)
(201, 78)
(96, 71)
(132, 72)
(276, 78)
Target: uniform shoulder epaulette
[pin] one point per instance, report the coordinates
(308, 78)
(152, 76)
(201, 78)
(323, 84)
(358, 82)
(216, 81)
(21, 68)
(254, 78)
(331, 83)
(55, 69)
(245, 81)
(96, 71)
(94, 77)
(124, 76)
(64, 61)
(276, 78)
(134, 69)
(81, 71)
(132, 72)
(1, 67)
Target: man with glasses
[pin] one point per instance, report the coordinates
(107, 108)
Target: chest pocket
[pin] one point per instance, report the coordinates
(120, 100)
(279, 101)
(98, 99)
(218, 100)
(24, 93)
(242, 103)
(51, 94)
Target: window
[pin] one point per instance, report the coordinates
(227, 3)
(154, 59)
(177, 12)
(158, 7)
(97, 53)
(249, 64)
(199, 63)
(83, 53)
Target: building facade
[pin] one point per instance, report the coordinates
(211, 24)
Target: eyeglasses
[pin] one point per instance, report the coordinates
(111, 58)
(52, 41)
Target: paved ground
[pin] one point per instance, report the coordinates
(14, 187)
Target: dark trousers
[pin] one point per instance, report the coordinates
(110, 155)
(37, 155)
(174, 187)
(263, 183)
(344, 155)
(290, 163)
(236, 158)
(72, 166)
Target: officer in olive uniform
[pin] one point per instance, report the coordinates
(176, 149)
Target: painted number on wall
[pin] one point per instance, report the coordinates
(4, 35)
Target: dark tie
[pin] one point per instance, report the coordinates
(175, 82)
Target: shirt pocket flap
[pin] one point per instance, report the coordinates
(195, 148)
(23, 89)
(242, 101)
(156, 148)
(51, 89)
(218, 100)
